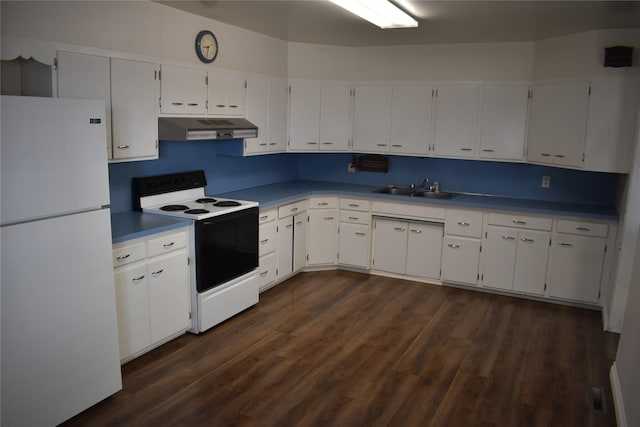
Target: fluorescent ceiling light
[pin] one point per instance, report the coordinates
(382, 13)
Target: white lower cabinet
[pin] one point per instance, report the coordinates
(285, 246)
(408, 247)
(267, 245)
(460, 258)
(353, 245)
(152, 291)
(299, 241)
(292, 238)
(323, 236)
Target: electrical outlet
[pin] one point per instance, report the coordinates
(546, 181)
(351, 168)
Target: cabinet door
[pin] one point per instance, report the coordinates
(372, 118)
(168, 294)
(277, 137)
(456, 120)
(226, 93)
(268, 266)
(531, 262)
(172, 90)
(285, 246)
(134, 99)
(390, 245)
(304, 116)
(576, 267)
(132, 304)
(268, 239)
(499, 257)
(335, 116)
(299, 241)
(195, 91)
(504, 120)
(258, 113)
(323, 236)
(86, 77)
(424, 250)
(353, 245)
(410, 119)
(558, 122)
(460, 258)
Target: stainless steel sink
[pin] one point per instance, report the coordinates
(413, 192)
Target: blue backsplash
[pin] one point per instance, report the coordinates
(227, 173)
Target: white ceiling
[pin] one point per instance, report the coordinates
(450, 21)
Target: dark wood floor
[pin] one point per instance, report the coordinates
(346, 349)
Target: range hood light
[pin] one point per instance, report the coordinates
(382, 13)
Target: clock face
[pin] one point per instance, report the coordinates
(206, 46)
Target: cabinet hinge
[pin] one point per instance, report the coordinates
(545, 286)
(589, 90)
(433, 92)
(188, 260)
(189, 315)
(155, 74)
(160, 102)
(480, 248)
(605, 249)
(245, 84)
(482, 277)
(156, 144)
(582, 157)
(206, 79)
(478, 276)
(485, 234)
(206, 104)
(550, 242)
(289, 90)
(55, 63)
(277, 272)
(530, 94)
(160, 75)
(599, 293)
(307, 257)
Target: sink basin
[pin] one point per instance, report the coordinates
(413, 193)
(432, 194)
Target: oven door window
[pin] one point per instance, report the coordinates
(226, 247)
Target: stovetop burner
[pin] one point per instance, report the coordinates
(227, 203)
(206, 200)
(172, 208)
(196, 211)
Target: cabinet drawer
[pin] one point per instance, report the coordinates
(267, 270)
(463, 223)
(355, 217)
(583, 228)
(292, 209)
(323, 203)
(167, 243)
(268, 238)
(354, 204)
(518, 221)
(128, 254)
(407, 210)
(267, 215)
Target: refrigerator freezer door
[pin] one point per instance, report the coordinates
(53, 157)
(59, 328)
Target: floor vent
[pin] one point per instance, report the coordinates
(597, 399)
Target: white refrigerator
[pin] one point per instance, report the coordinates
(59, 342)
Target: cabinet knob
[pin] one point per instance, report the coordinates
(123, 147)
(139, 278)
(264, 273)
(566, 245)
(157, 273)
(508, 238)
(399, 228)
(524, 239)
(358, 233)
(519, 222)
(328, 218)
(177, 103)
(353, 218)
(463, 224)
(583, 229)
(168, 245)
(264, 242)
(193, 104)
(123, 257)
(453, 246)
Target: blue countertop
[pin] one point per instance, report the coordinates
(131, 225)
(276, 194)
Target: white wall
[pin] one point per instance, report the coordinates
(460, 61)
(141, 28)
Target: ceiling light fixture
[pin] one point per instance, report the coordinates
(382, 13)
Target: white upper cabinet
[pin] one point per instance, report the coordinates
(335, 116)
(455, 130)
(304, 116)
(504, 121)
(134, 114)
(86, 77)
(558, 122)
(226, 93)
(411, 119)
(182, 90)
(372, 118)
(611, 125)
(258, 113)
(277, 129)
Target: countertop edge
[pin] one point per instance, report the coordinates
(133, 225)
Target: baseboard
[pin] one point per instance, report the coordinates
(617, 396)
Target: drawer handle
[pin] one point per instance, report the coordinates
(312, 143)
(272, 143)
(566, 245)
(353, 218)
(359, 233)
(327, 218)
(263, 217)
(157, 273)
(508, 238)
(323, 204)
(289, 225)
(488, 150)
(415, 230)
(177, 103)
(264, 242)
(354, 205)
(168, 245)
(264, 273)
(263, 144)
(463, 224)
(294, 209)
(193, 104)
(397, 145)
(220, 105)
(233, 106)
(545, 154)
(560, 155)
(299, 223)
(137, 279)
(399, 228)
(327, 143)
(453, 246)
(123, 147)
(381, 145)
(466, 149)
(519, 222)
(583, 229)
(524, 239)
(123, 257)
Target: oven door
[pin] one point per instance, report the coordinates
(226, 247)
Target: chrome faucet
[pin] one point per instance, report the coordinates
(424, 184)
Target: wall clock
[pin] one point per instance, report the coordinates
(206, 46)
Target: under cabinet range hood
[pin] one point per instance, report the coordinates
(199, 129)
